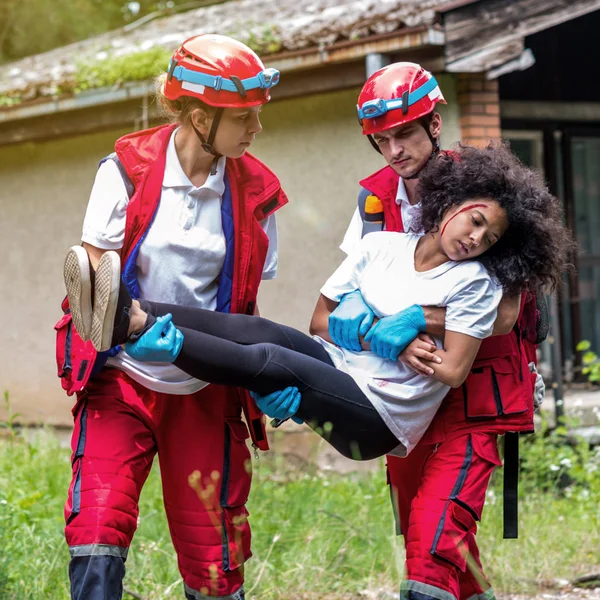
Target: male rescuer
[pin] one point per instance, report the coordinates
(439, 489)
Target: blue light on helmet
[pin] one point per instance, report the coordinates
(269, 78)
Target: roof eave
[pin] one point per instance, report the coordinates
(286, 62)
(386, 43)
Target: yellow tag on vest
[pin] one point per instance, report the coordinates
(373, 209)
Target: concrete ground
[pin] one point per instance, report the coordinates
(580, 401)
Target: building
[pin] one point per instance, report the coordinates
(517, 68)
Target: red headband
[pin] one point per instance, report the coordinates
(462, 210)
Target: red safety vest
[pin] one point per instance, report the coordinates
(255, 193)
(497, 396)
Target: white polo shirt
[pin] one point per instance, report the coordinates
(382, 268)
(409, 213)
(181, 257)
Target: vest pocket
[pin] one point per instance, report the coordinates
(75, 358)
(451, 541)
(494, 389)
(64, 335)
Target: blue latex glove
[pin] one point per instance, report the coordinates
(350, 318)
(281, 404)
(390, 335)
(161, 343)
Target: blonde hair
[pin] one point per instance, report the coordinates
(178, 111)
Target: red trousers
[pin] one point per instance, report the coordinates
(439, 491)
(205, 469)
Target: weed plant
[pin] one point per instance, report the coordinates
(317, 534)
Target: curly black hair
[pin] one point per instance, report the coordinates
(532, 253)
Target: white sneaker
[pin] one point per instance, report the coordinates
(106, 296)
(79, 290)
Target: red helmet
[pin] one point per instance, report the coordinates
(219, 71)
(397, 94)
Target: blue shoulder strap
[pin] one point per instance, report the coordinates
(128, 184)
(371, 212)
(226, 277)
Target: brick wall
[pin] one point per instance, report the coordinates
(479, 108)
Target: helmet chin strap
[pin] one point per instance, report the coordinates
(207, 145)
(374, 143)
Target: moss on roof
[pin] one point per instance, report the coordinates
(141, 53)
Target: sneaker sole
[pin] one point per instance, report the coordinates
(79, 290)
(106, 296)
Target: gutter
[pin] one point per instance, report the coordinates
(286, 62)
(98, 97)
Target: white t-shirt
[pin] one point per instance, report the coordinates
(382, 268)
(181, 257)
(409, 213)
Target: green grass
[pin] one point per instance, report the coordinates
(316, 535)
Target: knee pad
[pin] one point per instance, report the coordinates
(102, 504)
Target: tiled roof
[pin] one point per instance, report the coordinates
(269, 26)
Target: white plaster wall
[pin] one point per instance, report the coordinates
(44, 190)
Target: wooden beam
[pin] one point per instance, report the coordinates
(491, 23)
(550, 111)
(487, 58)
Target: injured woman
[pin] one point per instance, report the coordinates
(479, 244)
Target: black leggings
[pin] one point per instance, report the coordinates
(264, 356)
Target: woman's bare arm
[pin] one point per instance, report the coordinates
(457, 358)
(319, 324)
